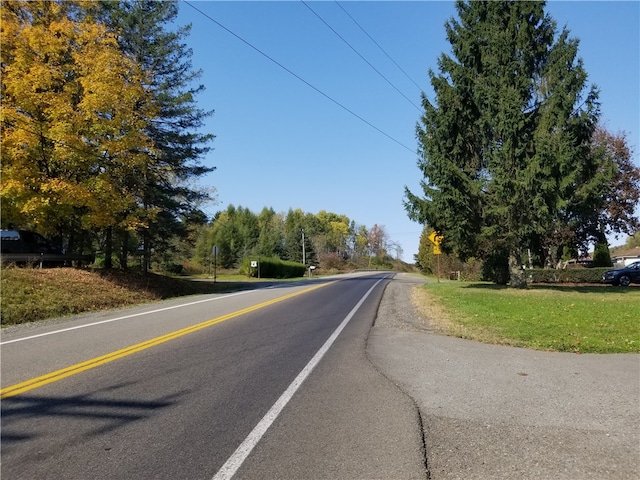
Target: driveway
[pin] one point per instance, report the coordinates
(496, 412)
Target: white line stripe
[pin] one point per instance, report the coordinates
(238, 457)
(292, 284)
(125, 317)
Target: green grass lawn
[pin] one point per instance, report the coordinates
(594, 319)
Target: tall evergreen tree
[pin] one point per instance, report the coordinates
(167, 187)
(271, 239)
(505, 147)
(294, 227)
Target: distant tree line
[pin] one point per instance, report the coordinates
(327, 239)
(101, 142)
(632, 242)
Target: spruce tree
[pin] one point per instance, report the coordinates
(505, 145)
(167, 187)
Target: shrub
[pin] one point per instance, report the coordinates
(192, 268)
(172, 268)
(273, 268)
(601, 255)
(495, 267)
(573, 275)
(331, 261)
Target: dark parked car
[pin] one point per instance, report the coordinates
(623, 276)
(23, 241)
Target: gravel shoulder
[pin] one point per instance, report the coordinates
(500, 412)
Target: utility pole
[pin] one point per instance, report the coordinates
(304, 258)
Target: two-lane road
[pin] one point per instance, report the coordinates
(271, 383)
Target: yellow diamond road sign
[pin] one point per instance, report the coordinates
(435, 238)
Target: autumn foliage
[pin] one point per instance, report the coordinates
(99, 138)
(74, 111)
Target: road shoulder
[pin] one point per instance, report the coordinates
(500, 412)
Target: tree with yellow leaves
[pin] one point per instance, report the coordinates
(74, 114)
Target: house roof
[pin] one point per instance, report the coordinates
(627, 252)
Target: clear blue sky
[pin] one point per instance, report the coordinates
(281, 144)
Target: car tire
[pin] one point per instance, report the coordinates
(624, 281)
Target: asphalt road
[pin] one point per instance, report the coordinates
(201, 388)
(172, 390)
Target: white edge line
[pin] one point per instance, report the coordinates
(31, 337)
(125, 317)
(235, 461)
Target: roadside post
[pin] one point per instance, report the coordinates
(256, 264)
(436, 240)
(214, 252)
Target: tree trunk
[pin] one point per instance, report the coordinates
(124, 250)
(146, 253)
(517, 277)
(108, 248)
(71, 245)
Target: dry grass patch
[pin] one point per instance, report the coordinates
(30, 294)
(442, 320)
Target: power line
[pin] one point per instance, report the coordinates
(300, 78)
(360, 55)
(378, 45)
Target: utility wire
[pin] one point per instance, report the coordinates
(378, 45)
(360, 55)
(299, 78)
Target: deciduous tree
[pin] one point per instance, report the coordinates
(618, 213)
(378, 241)
(64, 138)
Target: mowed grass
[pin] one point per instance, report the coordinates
(585, 319)
(31, 294)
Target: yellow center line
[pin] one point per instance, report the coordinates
(42, 380)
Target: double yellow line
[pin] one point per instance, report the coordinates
(37, 382)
